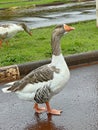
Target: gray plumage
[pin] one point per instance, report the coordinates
(41, 74)
(42, 95)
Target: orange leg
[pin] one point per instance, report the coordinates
(52, 111)
(39, 109)
(0, 43)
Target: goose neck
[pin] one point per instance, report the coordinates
(55, 44)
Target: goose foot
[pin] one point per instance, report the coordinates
(55, 112)
(39, 109)
(52, 111)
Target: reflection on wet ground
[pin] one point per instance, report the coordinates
(42, 124)
(50, 15)
(78, 100)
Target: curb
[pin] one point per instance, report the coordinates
(15, 72)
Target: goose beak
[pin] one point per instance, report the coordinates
(68, 28)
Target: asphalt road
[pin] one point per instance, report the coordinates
(79, 102)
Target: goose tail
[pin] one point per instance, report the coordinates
(5, 90)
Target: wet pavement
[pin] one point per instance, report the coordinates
(50, 15)
(78, 100)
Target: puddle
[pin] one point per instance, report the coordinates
(44, 124)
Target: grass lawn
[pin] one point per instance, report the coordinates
(23, 48)
(10, 3)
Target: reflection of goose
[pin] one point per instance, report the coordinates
(43, 124)
(7, 31)
(46, 81)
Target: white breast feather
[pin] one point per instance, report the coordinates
(59, 79)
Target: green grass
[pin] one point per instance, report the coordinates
(10, 3)
(23, 48)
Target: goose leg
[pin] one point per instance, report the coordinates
(39, 109)
(52, 111)
(7, 43)
(0, 43)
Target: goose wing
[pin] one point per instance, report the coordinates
(41, 74)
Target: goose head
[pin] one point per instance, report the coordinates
(60, 30)
(25, 28)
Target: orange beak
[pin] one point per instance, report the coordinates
(68, 28)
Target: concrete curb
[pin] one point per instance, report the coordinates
(15, 72)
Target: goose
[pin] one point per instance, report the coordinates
(41, 84)
(8, 31)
